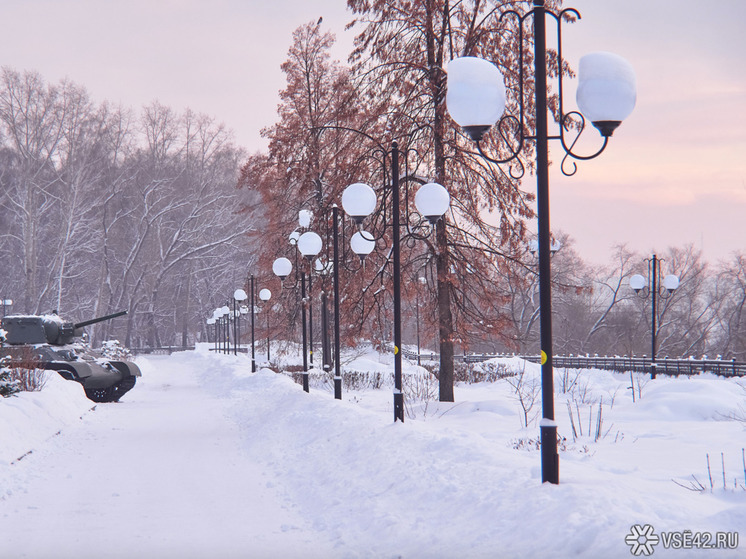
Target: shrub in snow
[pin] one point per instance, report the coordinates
(113, 349)
(26, 378)
(8, 384)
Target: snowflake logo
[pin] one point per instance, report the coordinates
(642, 540)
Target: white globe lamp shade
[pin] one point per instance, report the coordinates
(359, 201)
(607, 90)
(294, 236)
(362, 244)
(323, 268)
(637, 282)
(265, 294)
(309, 244)
(225, 311)
(554, 247)
(671, 282)
(432, 201)
(240, 295)
(282, 267)
(533, 246)
(304, 218)
(476, 94)
(217, 313)
(211, 321)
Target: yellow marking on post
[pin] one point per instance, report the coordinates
(543, 357)
(396, 350)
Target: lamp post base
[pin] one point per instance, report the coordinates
(398, 406)
(305, 381)
(337, 388)
(549, 455)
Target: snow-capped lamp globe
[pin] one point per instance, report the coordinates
(282, 268)
(362, 243)
(309, 244)
(476, 94)
(359, 201)
(265, 294)
(240, 295)
(607, 90)
(323, 268)
(432, 201)
(606, 94)
(671, 283)
(637, 283)
(304, 218)
(293, 238)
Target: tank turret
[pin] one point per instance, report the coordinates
(47, 342)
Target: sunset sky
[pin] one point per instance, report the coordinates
(675, 172)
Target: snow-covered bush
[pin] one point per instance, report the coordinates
(113, 349)
(24, 377)
(8, 384)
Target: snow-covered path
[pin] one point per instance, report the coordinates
(204, 459)
(161, 474)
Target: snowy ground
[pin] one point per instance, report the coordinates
(205, 459)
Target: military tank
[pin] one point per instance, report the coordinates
(48, 342)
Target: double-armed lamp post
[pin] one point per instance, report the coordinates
(239, 297)
(652, 287)
(476, 100)
(359, 201)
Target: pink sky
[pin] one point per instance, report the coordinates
(675, 172)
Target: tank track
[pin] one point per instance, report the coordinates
(113, 392)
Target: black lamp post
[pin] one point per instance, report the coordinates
(282, 267)
(476, 101)
(422, 281)
(239, 296)
(359, 201)
(265, 295)
(210, 322)
(309, 245)
(655, 288)
(362, 244)
(252, 309)
(222, 319)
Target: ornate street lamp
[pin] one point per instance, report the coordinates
(252, 303)
(359, 201)
(422, 281)
(210, 321)
(239, 296)
(653, 286)
(265, 295)
(309, 245)
(476, 101)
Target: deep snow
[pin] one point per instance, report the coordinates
(205, 459)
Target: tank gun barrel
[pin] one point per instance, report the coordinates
(99, 319)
